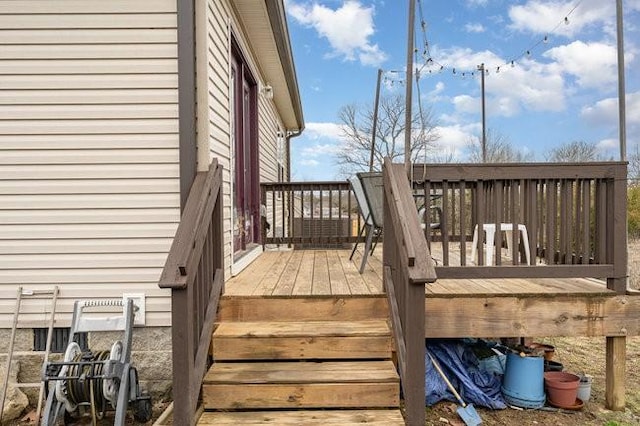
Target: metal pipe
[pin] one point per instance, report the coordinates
(375, 120)
(621, 85)
(484, 116)
(409, 88)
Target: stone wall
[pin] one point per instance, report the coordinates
(150, 354)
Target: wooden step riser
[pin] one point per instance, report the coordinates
(321, 395)
(331, 308)
(305, 417)
(290, 348)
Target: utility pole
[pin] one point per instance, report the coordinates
(375, 120)
(621, 84)
(409, 88)
(484, 117)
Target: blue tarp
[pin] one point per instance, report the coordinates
(460, 365)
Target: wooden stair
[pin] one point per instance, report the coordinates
(302, 360)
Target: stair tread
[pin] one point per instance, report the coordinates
(302, 328)
(301, 372)
(319, 417)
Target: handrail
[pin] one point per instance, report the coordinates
(194, 271)
(407, 268)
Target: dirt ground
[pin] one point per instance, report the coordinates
(579, 355)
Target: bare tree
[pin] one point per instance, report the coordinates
(357, 124)
(575, 152)
(499, 150)
(634, 167)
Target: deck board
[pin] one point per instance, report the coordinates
(356, 282)
(321, 283)
(330, 272)
(285, 286)
(270, 280)
(304, 279)
(337, 277)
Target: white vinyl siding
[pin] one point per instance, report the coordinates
(89, 152)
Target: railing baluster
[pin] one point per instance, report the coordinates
(445, 223)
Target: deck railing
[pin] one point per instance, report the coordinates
(574, 215)
(407, 268)
(310, 214)
(194, 273)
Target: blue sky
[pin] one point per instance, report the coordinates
(565, 89)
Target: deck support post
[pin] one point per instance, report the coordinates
(615, 370)
(414, 325)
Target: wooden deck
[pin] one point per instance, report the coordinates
(330, 272)
(307, 272)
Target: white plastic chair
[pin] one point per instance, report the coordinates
(490, 230)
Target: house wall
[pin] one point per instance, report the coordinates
(221, 24)
(89, 173)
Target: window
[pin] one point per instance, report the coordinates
(59, 341)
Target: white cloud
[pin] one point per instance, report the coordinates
(546, 17)
(605, 112)
(528, 85)
(474, 28)
(318, 150)
(321, 130)
(318, 143)
(606, 145)
(434, 95)
(455, 139)
(347, 29)
(593, 64)
(531, 85)
(466, 104)
(309, 163)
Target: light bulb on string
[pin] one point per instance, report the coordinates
(497, 70)
(566, 20)
(546, 39)
(528, 53)
(513, 64)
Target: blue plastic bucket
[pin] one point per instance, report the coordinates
(523, 381)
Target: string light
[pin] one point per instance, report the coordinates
(429, 62)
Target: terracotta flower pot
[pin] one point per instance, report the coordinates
(549, 350)
(562, 388)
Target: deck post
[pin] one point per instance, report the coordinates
(615, 373)
(617, 250)
(415, 392)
